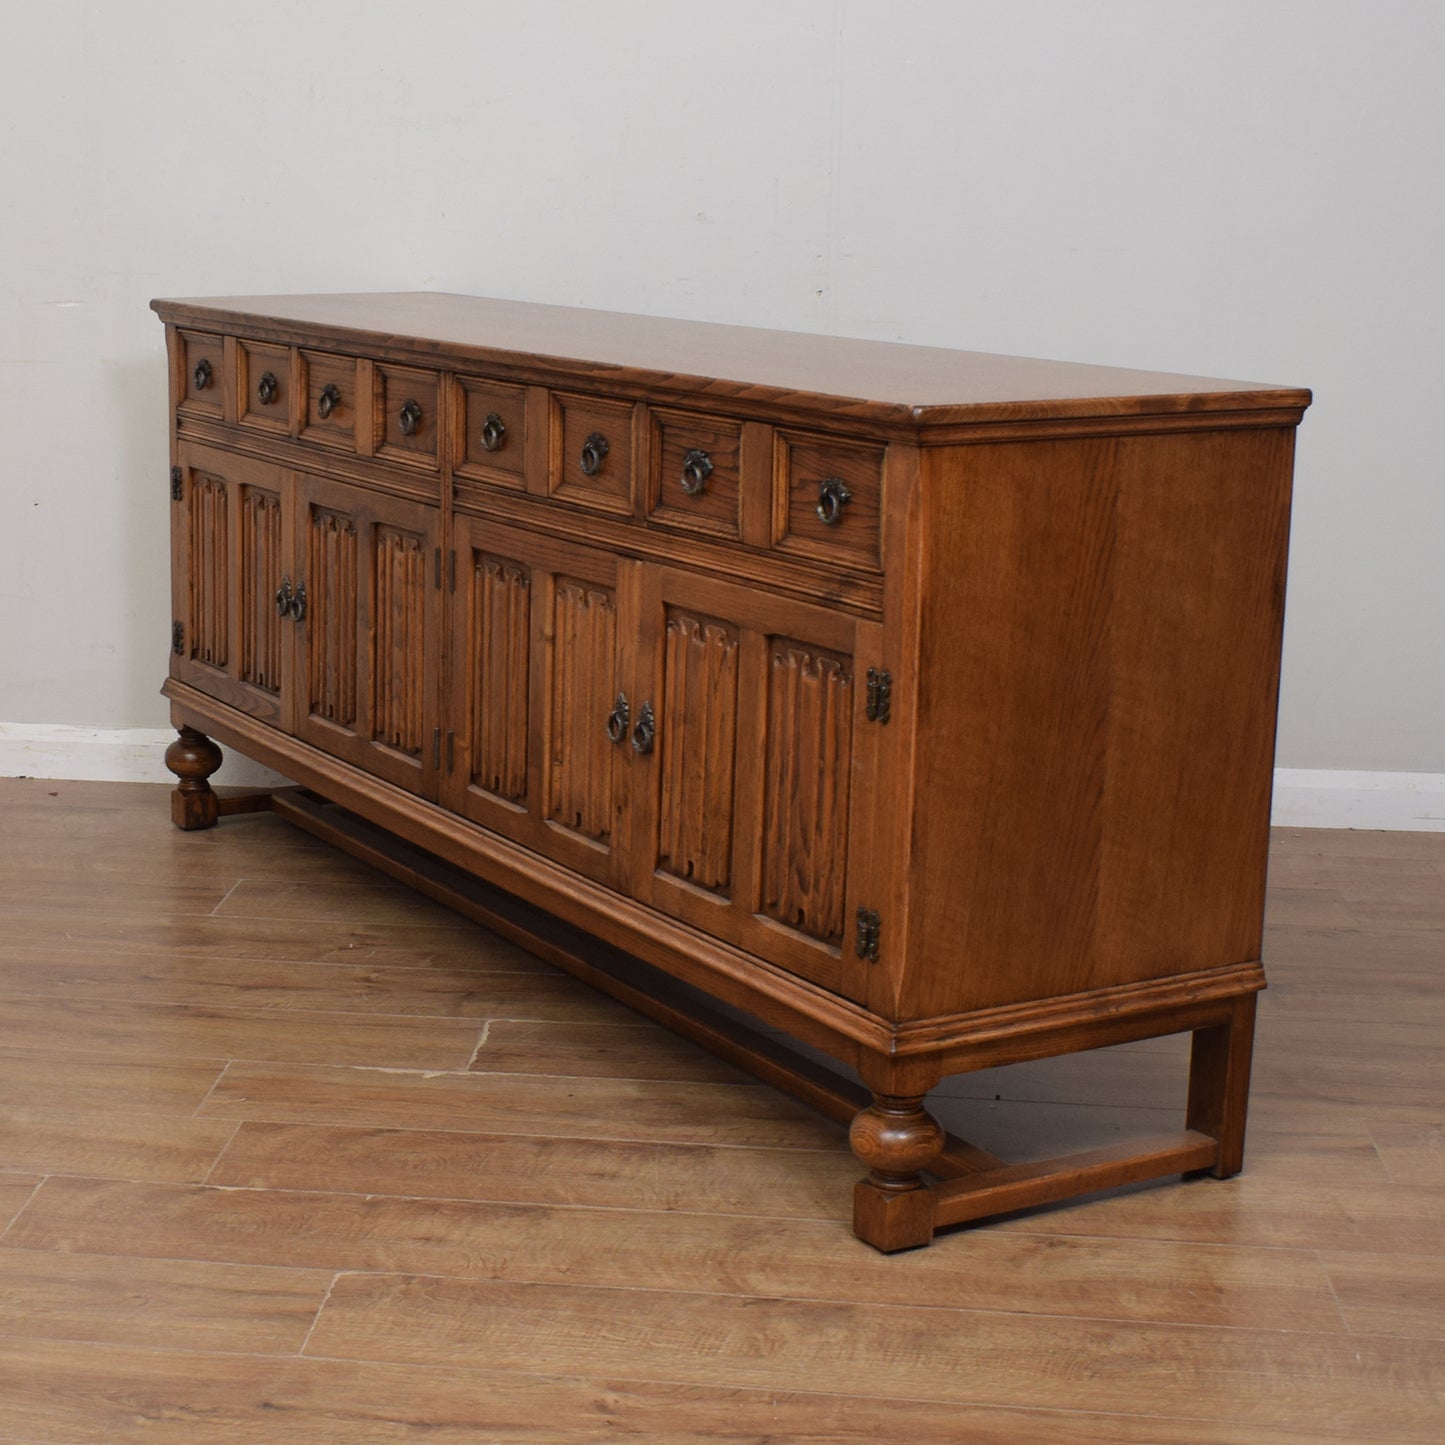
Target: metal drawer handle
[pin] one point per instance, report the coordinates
(268, 388)
(494, 432)
(594, 450)
(202, 374)
(409, 418)
(645, 733)
(833, 496)
(329, 400)
(617, 719)
(696, 469)
(284, 597)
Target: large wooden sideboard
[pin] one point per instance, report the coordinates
(918, 703)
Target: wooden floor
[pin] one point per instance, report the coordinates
(288, 1154)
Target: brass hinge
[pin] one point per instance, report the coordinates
(879, 707)
(865, 941)
(178, 484)
(178, 638)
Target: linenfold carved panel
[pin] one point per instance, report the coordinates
(583, 668)
(805, 802)
(261, 571)
(331, 576)
(210, 569)
(501, 616)
(698, 729)
(398, 655)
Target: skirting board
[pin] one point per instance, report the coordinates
(1303, 797)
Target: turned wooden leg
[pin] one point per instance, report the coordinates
(896, 1138)
(193, 757)
(1219, 1084)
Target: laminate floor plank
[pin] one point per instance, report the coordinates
(656, 1250)
(644, 1110)
(1247, 1377)
(123, 1145)
(118, 1396)
(1390, 1294)
(367, 901)
(163, 1303)
(16, 1191)
(72, 1080)
(627, 1048)
(115, 1028)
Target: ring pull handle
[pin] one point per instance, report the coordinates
(409, 418)
(329, 400)
(284, 597)
(298, 602)
(696, 469)
(833, 496)
(202, 374)
(617, 719)
(494, 432)
(594, 452)
(268, 388)
(644, 733)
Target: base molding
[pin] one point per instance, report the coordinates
(1303, 797)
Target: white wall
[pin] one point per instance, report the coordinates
(1239, 189)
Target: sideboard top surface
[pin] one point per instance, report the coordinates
(877, 380)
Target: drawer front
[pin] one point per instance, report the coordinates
(263, 386)
(492, 431)
(203, 373)
(331, 396)
(829, 495)
(406, 415)
(592, 453)
(694, 473)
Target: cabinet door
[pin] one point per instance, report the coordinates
(231, 548)
(744, 824)
(368, 640)
(540, 645)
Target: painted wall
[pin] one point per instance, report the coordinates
(1239, 189)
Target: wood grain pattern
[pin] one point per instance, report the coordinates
(499, 652)
(581, 759)
(331, 568)
(262, 566)
(679, 1289)
(208, 637)
(398, 683)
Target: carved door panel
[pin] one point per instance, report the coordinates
(231, 542)
(744, 822)
(541, 637)
(367, 608)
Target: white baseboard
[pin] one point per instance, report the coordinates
(109, 755)
(1303, 797)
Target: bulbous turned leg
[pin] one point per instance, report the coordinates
(193, 757)
(896, 1138)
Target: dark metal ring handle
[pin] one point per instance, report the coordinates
(284, 597)
(644, 734)
(410, 418)
(494, 432)
(833, 496)
(329, 399)
(696, 469)
(268, 388)
(202, 374)
(594, 451)
(298, 602)
(617, 719)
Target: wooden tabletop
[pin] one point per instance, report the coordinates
(886, 381)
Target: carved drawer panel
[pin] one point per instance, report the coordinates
(263, 386)
(693, 479)
(591, 461)
(406, 419)
(331, 399)
(492, 441)
(201, 358)
(828, 497)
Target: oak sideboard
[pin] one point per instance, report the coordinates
(918, 704)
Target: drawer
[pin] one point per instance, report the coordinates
(828, 495)
(202, 359)
(591, 463)
(406, 415)
(263, 386)
(330, 392)
(694, 473)
(491, 431)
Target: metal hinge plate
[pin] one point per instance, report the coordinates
(178, 484)
(178, 638)
(865, 940)
(879, 707)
